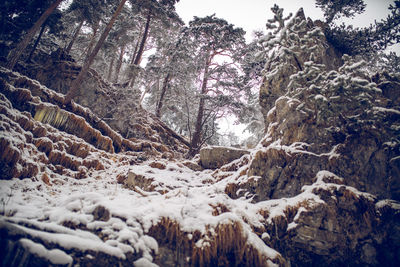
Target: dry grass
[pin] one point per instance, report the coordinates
(73, 124)
(219, 209)
(226, 245)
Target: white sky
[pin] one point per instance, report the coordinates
(253, 14)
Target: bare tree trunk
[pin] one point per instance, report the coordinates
(139, 54)
(144, 39)
(87, 51)
(163, 91)
(110, 69)
(36, 42)
(16, 53)
(76, 83)
(119, 63)
(196, 140)
(76, 33)
(134, 53)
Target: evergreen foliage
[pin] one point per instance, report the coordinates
(334, 9)
(18, 17)
(360, 41)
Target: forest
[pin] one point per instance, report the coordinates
(192, 75)
(112, 154)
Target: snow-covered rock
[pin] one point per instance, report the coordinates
(213, 157)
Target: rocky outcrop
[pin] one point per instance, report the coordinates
(216, 156)
(302, 40)
(60, 139)
(325, 117)
(341, 227)
(116, 105)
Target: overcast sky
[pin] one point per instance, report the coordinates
(252, 14)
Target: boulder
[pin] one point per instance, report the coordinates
(217, 156)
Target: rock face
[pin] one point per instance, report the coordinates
(116, 105)
(292, 55)
(345, 228)
(325, 118)
(215, 157)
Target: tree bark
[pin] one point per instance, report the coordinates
(76, 83)
(88, 50)
(36, 42)
(144, 39)
(110, 69)
(76, 33)
(134, 53)
(196, 140)
(139, 54)
(16, 53)
(163, 91)
(119, 63)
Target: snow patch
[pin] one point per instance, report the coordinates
(55, 256)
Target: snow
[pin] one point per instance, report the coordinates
(143, 262)
(320, 97)
(185, 197)
(386, 110)
(74, 242)
(388, 202)
(55, 256)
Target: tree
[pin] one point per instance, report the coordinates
(334, 9)
(89, 11)
(20, 48)
(216, 39)
(363, 41)
(169, 67)
(53, 22)
(76, 83)
(17, 17)
(162, 10)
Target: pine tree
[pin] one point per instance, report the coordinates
(85, 11)
(334, 9)
(361, 41)
(153, 10)
(76, 83)
(169, 67)
(20, 48)
(215, 38)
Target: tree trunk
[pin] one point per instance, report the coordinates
(196, 140)
(76, 83)
(163, 91)
(144, 39)
(3, 17)
(76, 33)
(119, 63)
(16, 53)
(37, 42)
(87, 51)
(134, 53)
(139, 54)
(110, 69)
